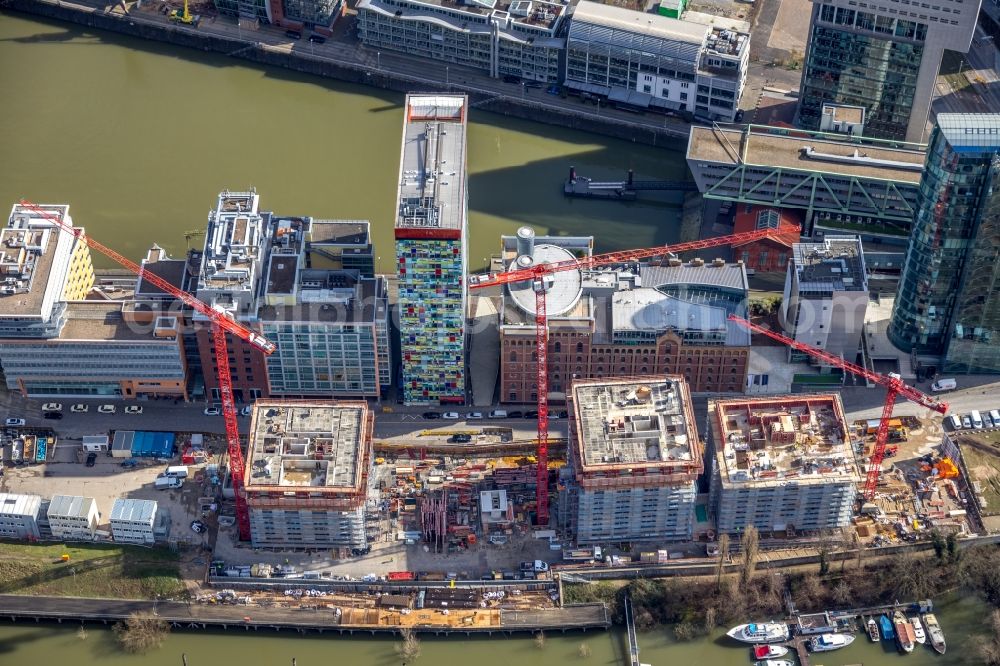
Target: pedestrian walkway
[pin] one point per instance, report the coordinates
(484, 340)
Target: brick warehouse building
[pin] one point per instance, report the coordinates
(609, 323)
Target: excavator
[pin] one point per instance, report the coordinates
(184, 16)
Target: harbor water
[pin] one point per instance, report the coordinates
(139, 138)
(27, 643)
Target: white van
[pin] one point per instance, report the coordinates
(955, 421)
(977, 420)
(995, 415)
(177, 472)
(498, 414)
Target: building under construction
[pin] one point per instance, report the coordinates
(307, 473)
(782, 464)
(634, 458)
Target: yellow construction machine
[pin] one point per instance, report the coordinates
(184, 16)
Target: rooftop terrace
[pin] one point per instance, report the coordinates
(320, 447)
(786, 439)
(837, 264)
(637, 429)
(27, 249)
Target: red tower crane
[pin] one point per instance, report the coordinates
(536, 276)
(894, 387)
(222, 323)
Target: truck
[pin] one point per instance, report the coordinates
(167, 482)
(176, 472)
(944, 385)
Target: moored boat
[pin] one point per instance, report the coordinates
(760, 632)
(872, 626)
(768, 651)
(904, 632)
(885, 625)
(918, 629)
(773, 662)
(827, 642)
(934, 633)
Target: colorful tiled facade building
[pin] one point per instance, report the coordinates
(430, 250)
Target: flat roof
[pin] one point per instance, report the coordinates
(644, 23)
(172, 270)
(234, 241)
(971, 132)
(563, 293)
(12, 504)
(757, 147)
(340, 232)
(637, 423)
(319, 447)
(432, 167)
(845, 113)
(836, 264)
(783, 439)
(100, 320)
(365, 304)
(133, 510)
(70, 506)
(27, 249)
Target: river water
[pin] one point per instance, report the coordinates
(139, 138)
(25, 644)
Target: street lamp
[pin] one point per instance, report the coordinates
(378, 60)
(447, 76)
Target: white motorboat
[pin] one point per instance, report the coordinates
(918, 629)
(768, 651)
(827, 642)
(760, 632)
(934, 632)
(773, 662)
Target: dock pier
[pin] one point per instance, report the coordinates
(633, 638)
(581, 187)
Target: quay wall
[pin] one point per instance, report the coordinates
(136, 25)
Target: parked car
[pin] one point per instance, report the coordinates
(52, 416)
(516, 414)
(91, 459)
(473, 416)
(14, 423)
(212, 411)
(317, 39)
(451, 416)
(79, 408)
(129, 463)
(107, 409)
(531, 414)
(432, 415)
(966, 421)
(133, 409)
(246, 411)
(293, 34)
(52, 407)
(564, 414)
(460, 439)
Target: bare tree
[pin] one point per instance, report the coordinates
(749, 547)
(723, 555)
(409, 647)
(140, 633)
(540, 640)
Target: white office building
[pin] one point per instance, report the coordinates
(132, 521)
(73, 517)
(19, 516)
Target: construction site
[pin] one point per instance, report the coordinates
(307, 474)
(635, 458)
(783, 464)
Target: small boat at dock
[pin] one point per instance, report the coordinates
(934, 633)
(760, 632)
(828, 642)
(905, 637)
(773, 662)
(872, 626)
(768, 651)
(885, 625)
(918, 630)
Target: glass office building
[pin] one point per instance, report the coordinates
(949, 294)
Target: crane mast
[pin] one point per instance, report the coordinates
(536, 276)
(221, 324)
(893, 385)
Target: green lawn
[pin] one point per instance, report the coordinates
(99, 570)
(976, 461)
